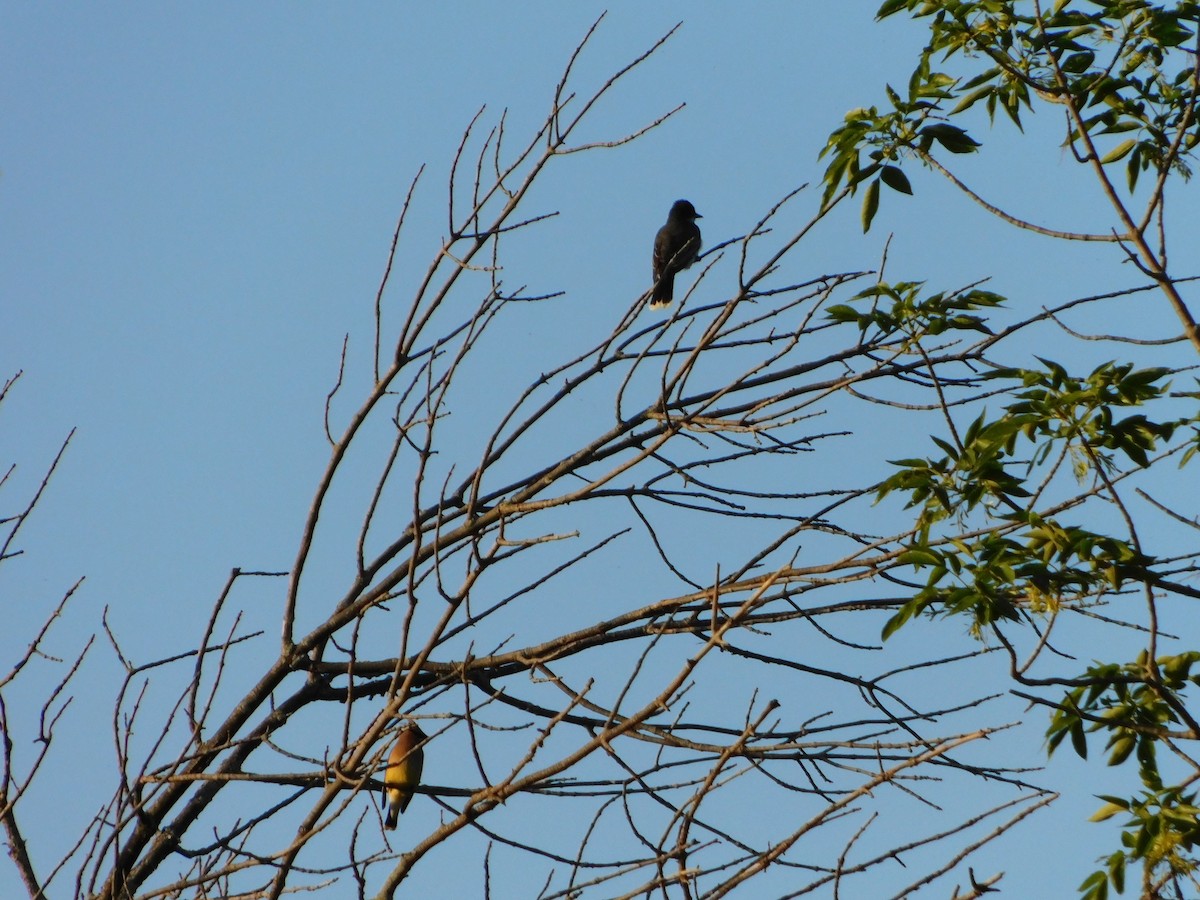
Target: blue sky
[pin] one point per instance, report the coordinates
(196, 205)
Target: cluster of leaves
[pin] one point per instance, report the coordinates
(1137, 705)
(1027, 563)
(1056, 406)
(900, 309)
(1020, 562)
(1120, 67)
(886, 138)
(1125, 75)
(1053, 411)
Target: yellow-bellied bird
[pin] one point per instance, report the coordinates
(403, 772)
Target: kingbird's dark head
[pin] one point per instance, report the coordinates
(683, 209)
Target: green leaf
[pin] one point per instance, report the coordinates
(891, 7)
(988, 90)
(1106, 812)
(917, 558)
(1134, 167)
(903, 614)
(1121, 748)
(1079, 740)
(1116, 871)
(862, 175)
(910, 463)
(870, 205)
(1114, 801)
(894, 624)
(1077, 63)
(1094, 887)
(952, 138)
(842, 313)
(895, 178)
(1118, 152)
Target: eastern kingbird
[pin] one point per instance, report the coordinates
(676, 247)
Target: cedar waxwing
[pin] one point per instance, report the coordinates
(403, 772)
(675, 248)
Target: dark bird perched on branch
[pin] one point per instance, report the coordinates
(676, 247)
(403, 772)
